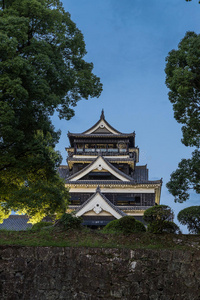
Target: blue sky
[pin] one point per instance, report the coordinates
(128, 41)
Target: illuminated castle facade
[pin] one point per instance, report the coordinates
(103, 178)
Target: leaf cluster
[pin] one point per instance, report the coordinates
(163, 227)
(125, 225)
(160, 219)
(185, 178)
(69, 221)
(183, 80)
(38, 226)
(158, 213)
(190, 216)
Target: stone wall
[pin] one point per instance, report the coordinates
(51, 273)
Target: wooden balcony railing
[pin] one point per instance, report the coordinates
(93, 151)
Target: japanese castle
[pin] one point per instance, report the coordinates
(103, 178)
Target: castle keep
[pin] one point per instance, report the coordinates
(104, 180)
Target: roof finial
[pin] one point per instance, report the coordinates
(102, 114)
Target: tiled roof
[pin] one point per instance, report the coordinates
(140, 174)
(98, 191)
(63, 171)
(120, 207)
(16, 222)
(113, 182)
(105, 135)
(134, 207)
(107, 158)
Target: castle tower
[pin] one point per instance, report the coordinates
(103, 178)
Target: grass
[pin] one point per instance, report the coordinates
(55, 237)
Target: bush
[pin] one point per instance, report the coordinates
(190, 216)
(69, 221)
(163, 227)
(112, 226)
(125, 225)
(38, 226)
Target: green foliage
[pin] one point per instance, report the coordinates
(4, 213)
(127, 224)
(163, 227)
(160, 219)
(69, 221)
(190, 216)
(139, 227)
(111, 226)
(158, 213)
(183, 80)
(42, 70)
(38, 226)
(185, 178)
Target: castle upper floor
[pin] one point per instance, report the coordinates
(103, 139)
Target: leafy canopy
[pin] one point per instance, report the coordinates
(183, 80)
(190, 216)
(185, 178)
(158, 213)
(42, 70)
(160, 219)
(163, 227)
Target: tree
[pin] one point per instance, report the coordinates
(158, 213)
(190, 216)
(185, 178)
(183, 80)
(160, 219)
(42, 70)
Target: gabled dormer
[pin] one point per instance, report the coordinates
(99, 205)
(101, 169)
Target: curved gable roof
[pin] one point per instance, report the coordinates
(100, 199)
(105, 164)
(102, 123)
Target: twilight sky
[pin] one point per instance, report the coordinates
(127, 41)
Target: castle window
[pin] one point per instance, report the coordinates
(137, 199)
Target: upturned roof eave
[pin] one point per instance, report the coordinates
(113, 182)
(83, 135)
(75, 159)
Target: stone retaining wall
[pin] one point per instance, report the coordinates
(51, 273)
